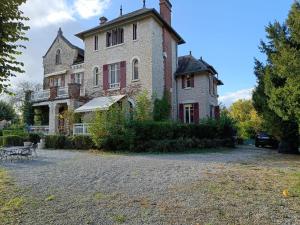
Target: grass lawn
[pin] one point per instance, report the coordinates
(11, 202)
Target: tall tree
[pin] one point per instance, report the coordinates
(7, 112)
(247, 120)
(12, 32)
(277, 95)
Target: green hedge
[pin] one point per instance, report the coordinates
(1, 141)
(14, 132)
(80, 142)
(12, 140)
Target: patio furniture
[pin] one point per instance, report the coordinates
(18, 152)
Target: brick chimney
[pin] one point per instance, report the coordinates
(166, 10)
(103, 20)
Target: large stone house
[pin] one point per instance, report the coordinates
(122, 57)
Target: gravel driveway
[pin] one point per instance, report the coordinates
(89, 188)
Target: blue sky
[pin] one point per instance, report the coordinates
(225, 33)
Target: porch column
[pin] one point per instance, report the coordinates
(53, 120)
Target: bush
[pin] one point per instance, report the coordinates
(34, 137)
(82, 142)
(1, 141)
(14, 132)
(12, 140)
(64, 142)
(55, 141)
(1, 133)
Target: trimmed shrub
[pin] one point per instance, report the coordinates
(1, 141)
(12, 140)
(55, 141)
(79, 142)
(82, 142)
(1, 133)
(14, 132)
(34, 137)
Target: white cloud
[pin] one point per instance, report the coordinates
(232, 97)
(43, 13)
(90, 8)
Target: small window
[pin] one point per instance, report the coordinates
(78, 78)
(134, 30)
(188, 113)
(188, 82)
(96, 76)
(58, 57)
(135, 69)
(114, 76)
(96, 43)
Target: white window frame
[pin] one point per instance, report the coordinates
(188, 82)
(96, 76)
(133, 70)
(114, 76)
(188, 108)
(78, 78)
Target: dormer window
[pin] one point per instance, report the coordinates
(115, 37)
(58, 57)
(188, 81)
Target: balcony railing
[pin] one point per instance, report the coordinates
(39, 129)
(62, 92)
(81, 129)
(40, 96)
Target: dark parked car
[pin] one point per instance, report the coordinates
(266, 140)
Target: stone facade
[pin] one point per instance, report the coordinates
(71, 82)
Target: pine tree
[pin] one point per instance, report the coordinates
(277, 95)
(12, 31)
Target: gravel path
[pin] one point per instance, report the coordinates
(89, 188)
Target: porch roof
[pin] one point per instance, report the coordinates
(101, 103)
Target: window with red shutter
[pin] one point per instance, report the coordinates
(123, 74)
(105, 77)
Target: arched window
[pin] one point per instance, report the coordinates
(96, 76)
(58, 57)
(135, 69)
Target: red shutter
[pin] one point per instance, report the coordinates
(123, 74)
(181, 113)
(192, 81)
(196, 112)
(62, 81)
(217, 112)
(105, 77)
(183, 82)
(72, 78)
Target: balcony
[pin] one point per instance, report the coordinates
(73, 91)
(40, 96)
(39, 129)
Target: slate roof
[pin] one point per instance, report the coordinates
(131, 16)
(189, 64)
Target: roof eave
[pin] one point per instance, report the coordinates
(180, 40)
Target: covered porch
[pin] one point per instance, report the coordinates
(97, 104)
(50, 118)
